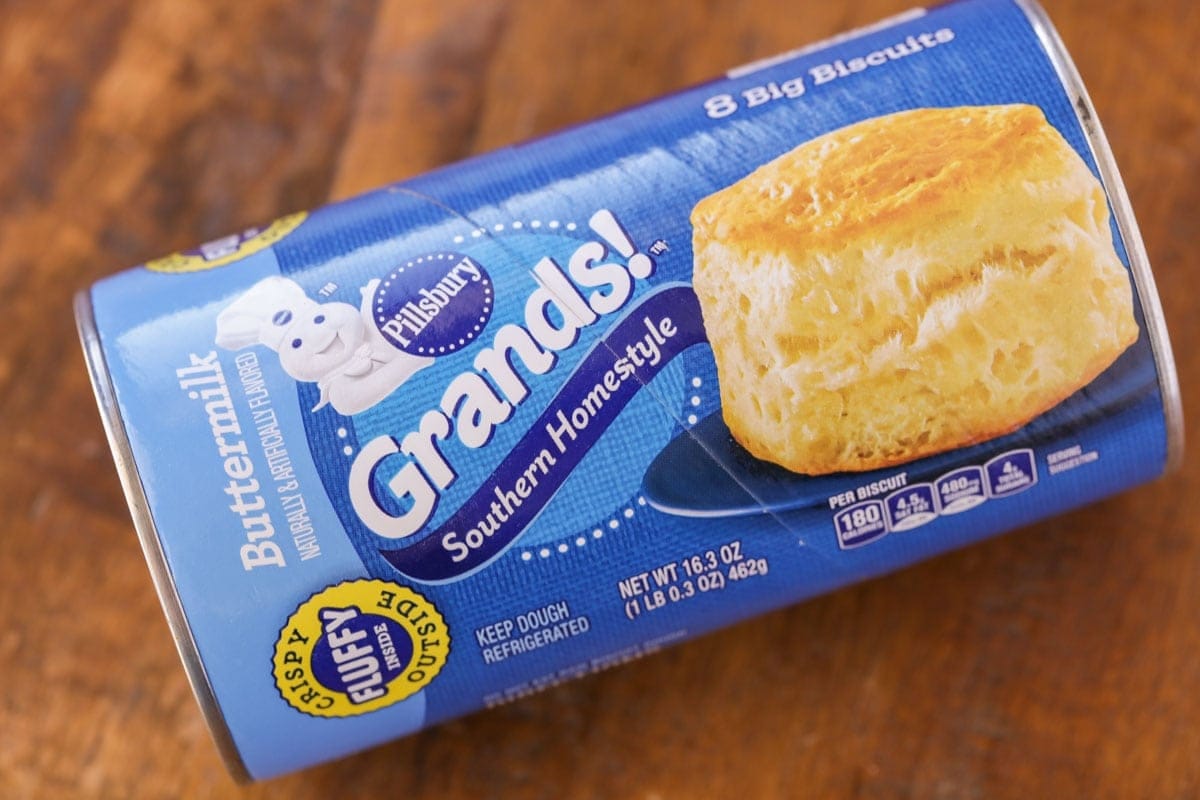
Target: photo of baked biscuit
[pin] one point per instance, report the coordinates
(907, 285)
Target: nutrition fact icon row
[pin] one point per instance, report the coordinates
(954, 492)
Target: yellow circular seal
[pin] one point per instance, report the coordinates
(357, 647)
(228, 249)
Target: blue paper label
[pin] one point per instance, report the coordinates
(469, 436)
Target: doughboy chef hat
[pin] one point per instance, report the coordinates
(262, 314)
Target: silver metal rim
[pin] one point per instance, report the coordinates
(143, 523)
(1168, 378)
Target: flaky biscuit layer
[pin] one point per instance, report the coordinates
(907, 285)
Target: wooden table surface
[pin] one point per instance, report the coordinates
(1062, 660)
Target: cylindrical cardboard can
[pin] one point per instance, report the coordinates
(468, 436)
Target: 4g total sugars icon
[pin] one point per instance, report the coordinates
(487, 430)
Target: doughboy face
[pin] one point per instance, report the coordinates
(318, 339)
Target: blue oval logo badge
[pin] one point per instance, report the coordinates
(435, 304)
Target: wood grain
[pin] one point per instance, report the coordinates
(1060, 661)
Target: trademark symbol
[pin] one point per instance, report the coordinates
(658, 248)
(327, 289)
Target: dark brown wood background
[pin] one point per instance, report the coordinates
(1062, 660)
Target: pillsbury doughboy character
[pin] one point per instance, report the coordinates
(334, 344)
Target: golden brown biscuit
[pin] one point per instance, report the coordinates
(906, 285)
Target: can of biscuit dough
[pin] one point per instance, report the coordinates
(449, 443)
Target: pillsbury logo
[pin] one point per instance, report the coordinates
(435, 304)
(430, 306)
(332, 344)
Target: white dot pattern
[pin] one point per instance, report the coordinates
(581, 540)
